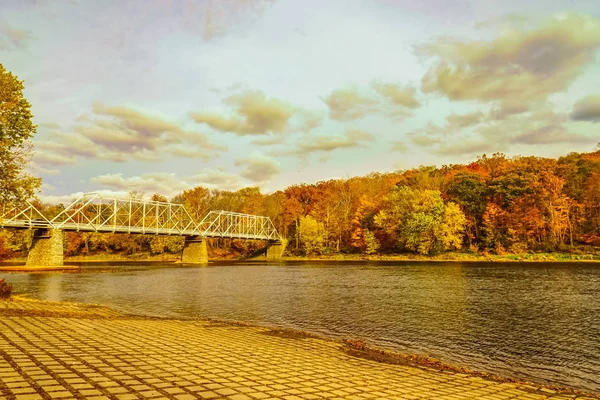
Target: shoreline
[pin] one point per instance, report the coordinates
(454, 257)
(356, 348)
(404, 257)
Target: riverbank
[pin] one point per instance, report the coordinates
(443, 257)
(69, 350)
(453, 257)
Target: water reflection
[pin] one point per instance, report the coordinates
(530, 321)
(49, 285)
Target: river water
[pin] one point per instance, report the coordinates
(533, 321)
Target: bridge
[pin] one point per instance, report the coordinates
(93, 212)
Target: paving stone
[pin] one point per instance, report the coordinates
(208, 395)
(54, 388)
(103, 355)
(150, 394)
(80, 386)
(18, 384)
(173, 390)
(239, 397)
(60, 395)
(90, 392)
(128, 396)
(29, 397)
(117, 390)
(22, 390)
(185, 397)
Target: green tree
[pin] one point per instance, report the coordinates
(418, 231)
(16, 128)
(471, 194)
(421, 220)
(312, 235)
(371, 242)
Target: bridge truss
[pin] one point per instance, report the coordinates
(97, 213)
(94, 212)
(23, 215)
(243, 226)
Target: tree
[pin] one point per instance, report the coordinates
(471, 194)
(195, 202)
(73, 243)
(158, 197)
(371, 242)
(16, 128)
(421, 220)
(359, 236)
(274, 208)
(312, 235)
(450, 231)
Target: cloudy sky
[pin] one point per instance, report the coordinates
(164, 95)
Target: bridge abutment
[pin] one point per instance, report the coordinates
(275, 250)
(194, 251)
(46, 248)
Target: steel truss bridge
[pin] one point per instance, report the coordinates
(93, 212)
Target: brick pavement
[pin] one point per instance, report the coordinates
(69, 351)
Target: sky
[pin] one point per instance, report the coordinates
(158, 96)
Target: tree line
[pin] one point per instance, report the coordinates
(494, 204)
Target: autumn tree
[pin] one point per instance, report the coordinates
(158, 197)
(300, 201)
(424, 178)
(359, 224)
(470, 192)
(5, 252)
(371, 242)
(10, 242)
(274, 206)
(422, 221)
(16, 128)
(450, 231)
(252, 201)
(494, 226)
(161, 244)
(73, 243)
(312, 235)
(195, 201)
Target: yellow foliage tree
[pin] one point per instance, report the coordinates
(312, 235)
(16, 128)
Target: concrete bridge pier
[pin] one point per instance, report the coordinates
(46, 248)
(275, 250)
(194, 251)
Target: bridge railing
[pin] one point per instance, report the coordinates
(22, 215)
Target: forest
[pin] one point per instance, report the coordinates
(493, 205)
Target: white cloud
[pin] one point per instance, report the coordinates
(171, 184)
(258, 167)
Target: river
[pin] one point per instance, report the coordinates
(532, 321)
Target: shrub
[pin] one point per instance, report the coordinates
(5, 289)
(5, 252)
